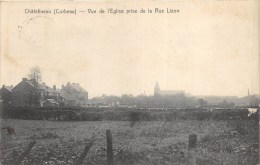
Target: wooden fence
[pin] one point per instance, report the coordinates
(191, 160)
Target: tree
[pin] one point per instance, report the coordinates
(202, 102)
(35, 73)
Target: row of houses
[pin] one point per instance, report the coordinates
(30, 93)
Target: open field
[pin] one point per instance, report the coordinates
(147, 142)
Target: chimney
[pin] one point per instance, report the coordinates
(12, 86)
(54, 87)
(24, 79)
(62, 86)
(3, 86)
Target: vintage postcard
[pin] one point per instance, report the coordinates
(129, 82)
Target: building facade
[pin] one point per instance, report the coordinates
(159, 92)
(6, 95)
(26, 94)
(74, 95)
(30, 93)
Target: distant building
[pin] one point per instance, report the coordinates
(50, 93)
(30, 93)
(6, 95)
(26, 94)
(159, 92)
(217, 99)
(74, 95)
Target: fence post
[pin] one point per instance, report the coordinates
(192, 149)
(84, 153)
(109, 147)
(25, 153)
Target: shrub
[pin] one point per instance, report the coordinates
(134, 115)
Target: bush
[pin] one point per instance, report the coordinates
(98, 114)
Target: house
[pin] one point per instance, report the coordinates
(74, 94)
(68, 99)
(25, 94)
(51, 93)
(6, 95)
(50, 103)
(30, 93)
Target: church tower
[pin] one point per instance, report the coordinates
(156, 88)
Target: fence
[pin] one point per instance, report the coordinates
(191, 159)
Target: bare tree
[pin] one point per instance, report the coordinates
(35, 73)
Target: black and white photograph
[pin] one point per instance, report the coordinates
(120, 82)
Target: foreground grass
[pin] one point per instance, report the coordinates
(154, 142)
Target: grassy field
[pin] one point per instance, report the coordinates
(154, 142)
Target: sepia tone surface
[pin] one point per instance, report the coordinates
(207, 48)
(129, 82)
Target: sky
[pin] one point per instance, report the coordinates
(209, 48)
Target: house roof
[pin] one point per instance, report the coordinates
(171, 92)
(32, 82)
(45, 87)
(51, 101)
(76, 87)
(67, 96)
(41, 86)
(9, 88)
(72, 91)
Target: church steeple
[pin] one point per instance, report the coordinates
(156, 88)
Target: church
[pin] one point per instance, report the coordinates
(159, 92)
